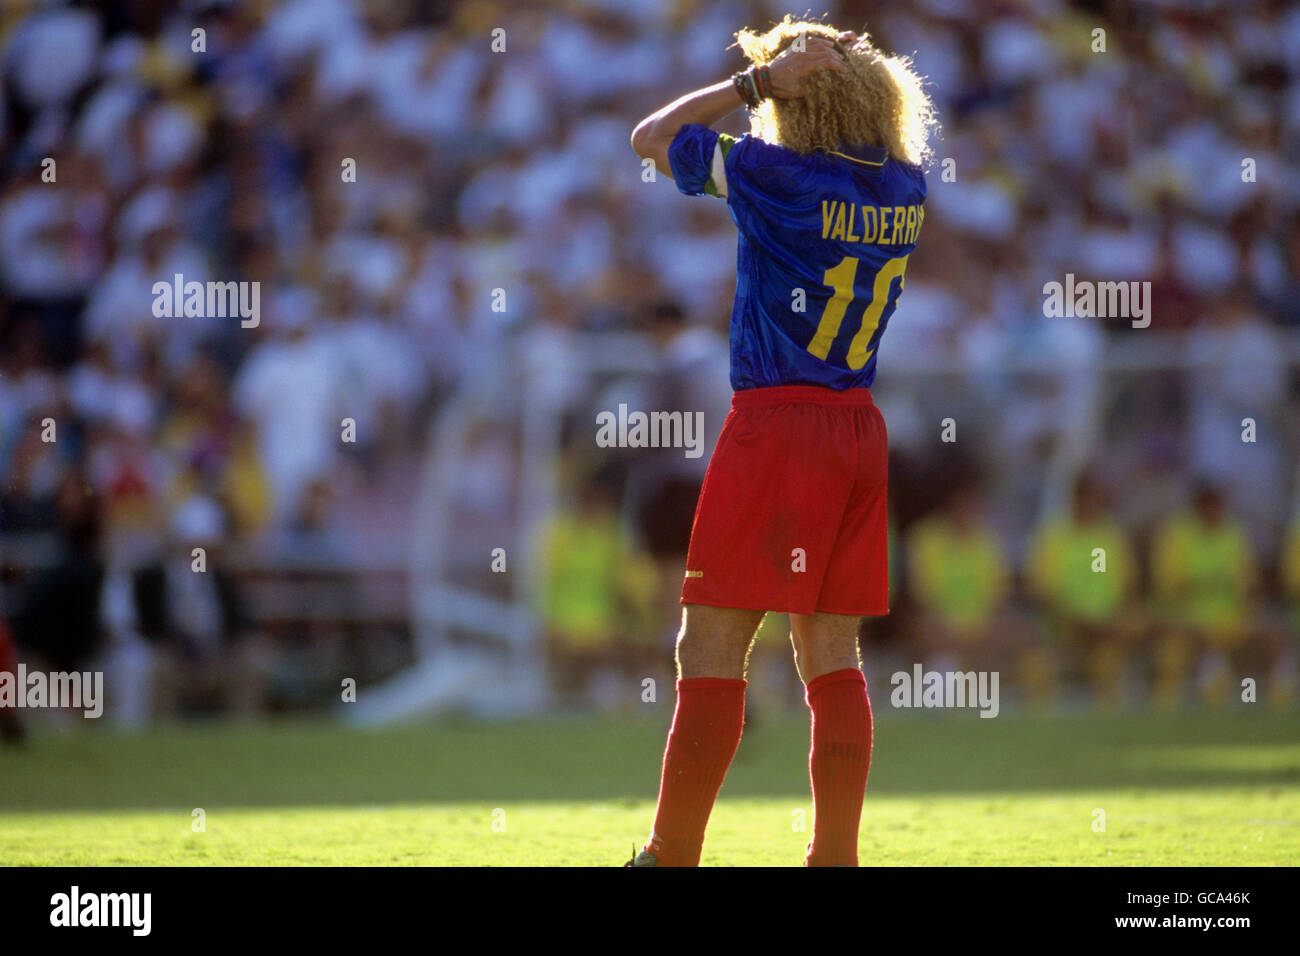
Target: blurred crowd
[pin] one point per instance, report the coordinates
(419, 187)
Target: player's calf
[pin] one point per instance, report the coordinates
(826, 653)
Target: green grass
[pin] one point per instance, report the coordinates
(1177, 789)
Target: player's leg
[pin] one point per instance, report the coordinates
(764, 530)
(715, 641)
(855, 584)
(707, 724)
(826, 654)
(824, 643)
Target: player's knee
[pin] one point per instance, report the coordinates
(695, 639)
(703, 653)
(824, 644)
(713, 642)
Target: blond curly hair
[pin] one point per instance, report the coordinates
(878, 101)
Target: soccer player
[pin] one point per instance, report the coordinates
(827, 193)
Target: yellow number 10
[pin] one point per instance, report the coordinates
(840, 279)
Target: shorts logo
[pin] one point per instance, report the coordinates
(695, 574)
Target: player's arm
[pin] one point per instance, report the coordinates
(654, 134)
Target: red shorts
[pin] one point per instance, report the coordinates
(792, 513)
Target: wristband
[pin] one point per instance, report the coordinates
(747, 86)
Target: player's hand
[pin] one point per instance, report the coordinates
(789, 69)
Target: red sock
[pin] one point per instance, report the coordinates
(705, 734)
(838, 764)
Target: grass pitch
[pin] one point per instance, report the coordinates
(1176, 789)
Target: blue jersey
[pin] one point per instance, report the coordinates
(824, 241)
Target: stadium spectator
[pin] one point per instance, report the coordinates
(57, 624)
(1083, 570)
(1206, 582)
(205, 655)
(1291, 571)
(594, 585)
(1287, 670)
(959, 577)
(36, 467)
(213, 450)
